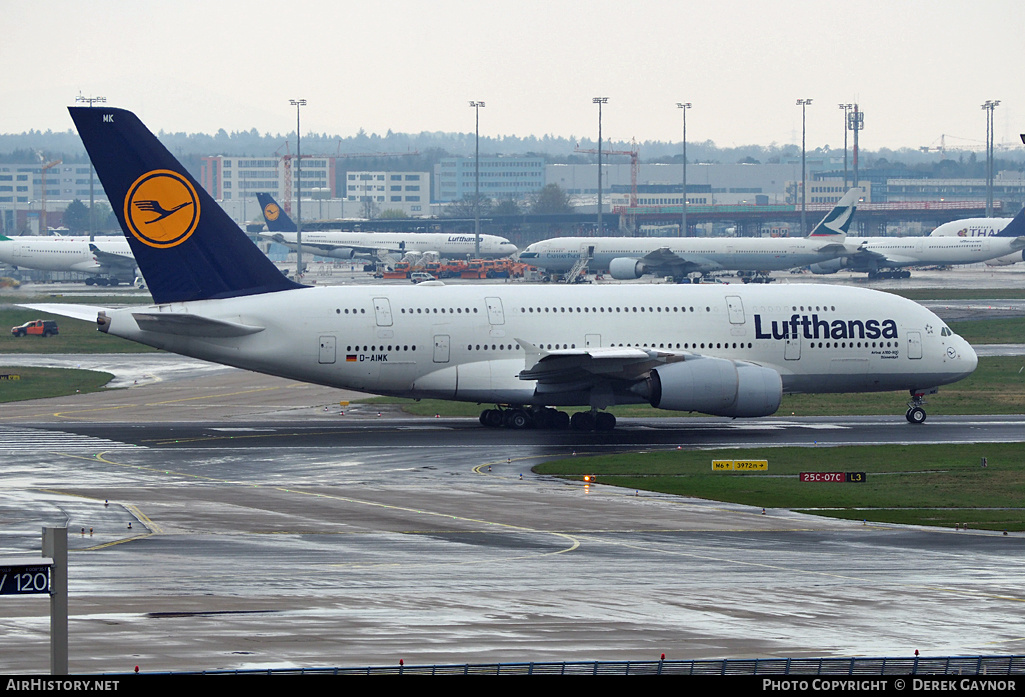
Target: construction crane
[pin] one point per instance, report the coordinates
(633, 165)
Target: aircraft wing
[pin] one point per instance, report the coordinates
(833, 249)
(568, 370)
(664, 258)
(112, 260)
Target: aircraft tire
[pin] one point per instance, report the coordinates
(916, 415)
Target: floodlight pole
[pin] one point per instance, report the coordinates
(803, 103)
(476, 178)
(683, 216)
(297, 103)
(92, 225)
(599, 101)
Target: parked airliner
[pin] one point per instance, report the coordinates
(377, 245)
(107, 259)
(979, 227)
(722, 350)
(627, 258)
(887, 257)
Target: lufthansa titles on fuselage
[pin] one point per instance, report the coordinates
(812, 327)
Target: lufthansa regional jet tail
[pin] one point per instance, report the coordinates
(722, 350)
(979, 227)
(379, 245)
(887, 257)
(627, 258)
(106, 260)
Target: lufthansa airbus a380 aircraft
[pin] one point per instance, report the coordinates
(723, 350)
(340, 244)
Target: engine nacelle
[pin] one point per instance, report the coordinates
(1006, 260)
(716, 386)
(626, 269)
(337, 253)
(831, 266)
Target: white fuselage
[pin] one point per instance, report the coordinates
(448, 245)
(979, 227)
(971, 227)
(63, 253)
(939, 250)
(707, 253)
(462, 342)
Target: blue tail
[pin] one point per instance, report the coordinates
(185, 245)
(1015, 228)
(276, 218)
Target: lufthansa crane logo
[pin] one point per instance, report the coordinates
(162, 209)
(271, 211)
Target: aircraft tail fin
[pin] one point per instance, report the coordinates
(1015, 228)
(185, 245)
(838, 221)
(274, 215)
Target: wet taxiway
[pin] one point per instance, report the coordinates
(268, 529)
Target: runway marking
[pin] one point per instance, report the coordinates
(573, 542)
(36, 440)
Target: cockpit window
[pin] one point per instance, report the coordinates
(945, 331)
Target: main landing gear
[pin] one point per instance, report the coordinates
(916, 413)
(547, 418)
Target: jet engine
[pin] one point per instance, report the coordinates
(337, 253)
(1006, 260)
(626, 269)
(714, 386)
(831, 266)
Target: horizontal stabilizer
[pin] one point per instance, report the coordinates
(185, 324)
(86, 313)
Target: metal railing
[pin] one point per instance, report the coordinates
(945, 665)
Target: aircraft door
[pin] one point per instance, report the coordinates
(327, 349)
(792, 348)
(441, 348)
(735, 306)
(914, 344)
(496, 315)
(382, 309)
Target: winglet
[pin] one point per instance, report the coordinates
(276, 218)
(185, 245)
(838, 221)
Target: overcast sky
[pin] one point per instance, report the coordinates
(919, 69)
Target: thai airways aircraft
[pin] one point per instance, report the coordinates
(379, 245)
(886, 257)
(979, 227)
(627, 258)
(106, 259)
(722, 350)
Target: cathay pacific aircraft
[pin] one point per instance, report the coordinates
(107, 260)
(378, 245)
(980, 227)
(526, 349)
(888, 257)
(628, 258)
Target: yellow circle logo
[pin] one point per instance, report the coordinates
(162, 209)
(271, 211)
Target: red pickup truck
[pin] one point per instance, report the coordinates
(39, 327)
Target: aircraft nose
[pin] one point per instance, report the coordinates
(967, 360)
